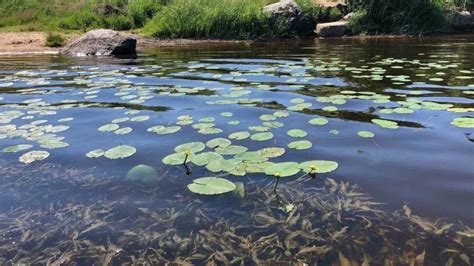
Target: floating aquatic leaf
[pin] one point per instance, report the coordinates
(211, 186)
(385, 123)
(17, 148)
(176, 158)
(334, 131)
(259, 128)
(365, 134)
(296, 133)
(140, 118)
(123, 131)
(239, 135)
(281, 114)
(120, 120)
(205, 158)
(318, 121)
(190, 146)
(142, 173)
(273, 124)
(164, 130)
(465, 122)
(272, 152)
(226, 114)
(262, 136)
(108, 128)
(32, 156)
(231, 150)
(330, 108)
(267, 117)
(321, 166)
(210, 131)
(207, 120)
(218, 142)
(95, 153)
(300, 145)
(120, 152)
(282, 169)
(233, 123)
(250, 156)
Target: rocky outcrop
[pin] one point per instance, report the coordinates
(288, 15)
(101, 42)
(332, 29)
(462, 20)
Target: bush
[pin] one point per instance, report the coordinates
(398, 16)
(55, 40)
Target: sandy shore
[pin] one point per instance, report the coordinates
(24, 42)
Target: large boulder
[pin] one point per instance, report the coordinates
(101, 42)
(286, 15)
(462, 20)
(332, 29)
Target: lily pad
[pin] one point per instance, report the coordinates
(322, 166)
(204, 158)
(282, 169)
(297, 133)
(32, 156)
(464, 122)
(175, 158)
(190, 146)
(318, 121)
(218, 142)
(17, 148)
(272, 152)
(365, 134)
(300, 145)
(211, 186)
(385, 123)
(95, 153)
(123, 131)
(239, 135)
(231, 150)
(120, 152)
(264, 136)
(108, 128)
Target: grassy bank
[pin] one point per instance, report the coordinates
(223, 19)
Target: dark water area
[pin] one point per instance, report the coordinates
(396, 115)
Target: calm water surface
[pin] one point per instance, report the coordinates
(57, 104)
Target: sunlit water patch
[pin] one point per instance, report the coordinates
(164, 152)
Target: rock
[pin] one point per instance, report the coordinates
(348, 16)
(332, 29)
(462, 20)
(101, 42)
(288, 14)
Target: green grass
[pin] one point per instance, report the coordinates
(55, 40)
(221, 19)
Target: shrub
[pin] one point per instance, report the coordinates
(55, 40)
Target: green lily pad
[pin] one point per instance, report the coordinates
(218, 142)
(239, 135)
(318, 121)
(385, 123)
(322, 166)
(123, 131)
(142, 173)
(300, 145)
(267, 117)
(17, 148)
(297, 133)
(211, 186)
(365, 134)
(191, 146)
(140, 118)
(272, 152)
(176, 158)
(108, 128)
(204, 158)
(231, 150)
(95, 153)
(33, 156)
(227, 114)
(210, 131)
(120, 152)
(264, 136)
(161, 130)
(282, 169)
(464, 122)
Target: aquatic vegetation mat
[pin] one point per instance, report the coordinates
(333, 222)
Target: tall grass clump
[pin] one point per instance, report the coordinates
(398, 16)
(55, 40)
(223, 19)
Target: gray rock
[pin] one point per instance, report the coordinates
(287, 14)
(348, 16)
(332, 29)
(101, 42)
(462, 20)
